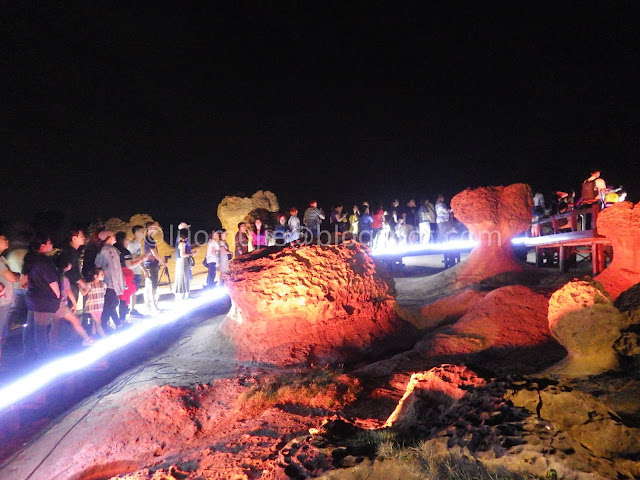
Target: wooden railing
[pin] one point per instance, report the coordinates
(573, 220)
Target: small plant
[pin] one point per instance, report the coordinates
(374, 438)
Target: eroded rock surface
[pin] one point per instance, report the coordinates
(312, 303)
(494, 215)
(620, 223)
(118, 225)
(507, 326)
(449, 309)
(584, 320)
(441, 385)
(233, 210)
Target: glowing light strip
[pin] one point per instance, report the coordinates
(435, 248)
(430, 247)
(39, 378)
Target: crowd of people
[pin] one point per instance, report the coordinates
(104, 272)
(91, 282)
(41, 287)
(377, 227)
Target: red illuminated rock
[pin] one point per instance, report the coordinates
(620, 223)
(313, 303)
(494, 215)
(583, 319)
(233, 210)
(507, 328)
(440, 386)
(449, 309)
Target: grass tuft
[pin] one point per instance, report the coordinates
(318, 388)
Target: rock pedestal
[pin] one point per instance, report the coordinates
(494, 215)
(620, 223)
(313, 304)
(583, 319)
(233, 210)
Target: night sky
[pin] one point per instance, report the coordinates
(111, 111)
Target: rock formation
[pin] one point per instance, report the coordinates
(233, 210)
(506, 327)
(313, 303)
(494, 215)
(117, 225)
(441, 385)
(583, 319)
(620, 223)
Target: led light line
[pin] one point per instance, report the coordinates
(44, 375)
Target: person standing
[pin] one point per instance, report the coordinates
(212, 257)
(108, 259)
(338, 219)
(7, 297)
(294, 225)
(127, 263)
(259, 235)
(43, 294)
(313, 217)
(152, 263)
(353, 220)
(365, 225)
(377, 225)
(135, 248)
(393, 219)
(72, 253)
(442, 216)
(426, 215)
(280, 234)
(223, 256)
(242, 240)
(182, 285)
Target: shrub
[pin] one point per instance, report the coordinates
(318, 388)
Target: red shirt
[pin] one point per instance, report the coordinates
(377, 219)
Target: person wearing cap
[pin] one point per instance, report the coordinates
(187, 245)
(109, 260)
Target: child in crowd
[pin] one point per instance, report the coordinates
(94, 300)
(66, 313)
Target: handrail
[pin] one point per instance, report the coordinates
(572, 216)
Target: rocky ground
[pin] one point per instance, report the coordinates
(472, 387)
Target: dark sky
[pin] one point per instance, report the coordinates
(110, 111)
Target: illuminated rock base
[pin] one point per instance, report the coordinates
(494, 215)
(316, 304)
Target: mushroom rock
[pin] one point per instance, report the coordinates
(620, 223)
(117, 225)
(313, 303)
(583, 319)
(507, 327)
(233, 210)
(494, 215)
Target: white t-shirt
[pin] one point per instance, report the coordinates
(213, 248)
(136, 251)
(7, 296)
